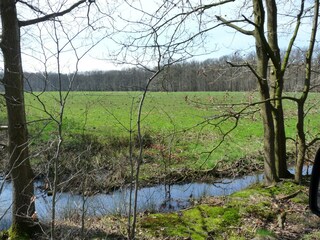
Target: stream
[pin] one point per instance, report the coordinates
(159, 198)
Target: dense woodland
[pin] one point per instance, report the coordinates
(210, 75)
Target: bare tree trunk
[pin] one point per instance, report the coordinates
(269, 140)
(276, 78)
(280, 141)
(140, 158)
(22, 175)
(279, 128)
(301, 142)
(266, 107)
(300, 124)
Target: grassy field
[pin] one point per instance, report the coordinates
(181, 129)
(174, 120)
(182, 114)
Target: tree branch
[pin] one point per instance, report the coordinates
(50, 16)
(248, 65)
(313, 142)
(292, 40)
(235, 27)
(249, 21)
(31, 7)
(207, 6)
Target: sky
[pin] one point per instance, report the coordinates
(100, 45)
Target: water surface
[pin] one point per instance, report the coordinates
(157, 198)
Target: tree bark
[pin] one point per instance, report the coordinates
(301, 115)
(301, 142)
(21, 172)
(276, 79)
(266, 107)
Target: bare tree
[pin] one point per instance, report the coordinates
(157, 38)
(302, 145)
(271, 85)
(13, 81)
(263, 22)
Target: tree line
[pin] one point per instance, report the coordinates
(208, 75)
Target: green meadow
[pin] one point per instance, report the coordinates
(186, 136)
(187, 129)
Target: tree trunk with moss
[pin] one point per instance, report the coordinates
(276, 78)
(266, 107)
(301, 142)
(23, 206)
(277, 81)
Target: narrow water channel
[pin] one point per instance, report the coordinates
(157, 198)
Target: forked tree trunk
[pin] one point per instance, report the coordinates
(266, 108)
(21, 173)
(280, 135)
(276, 78)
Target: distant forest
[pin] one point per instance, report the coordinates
(223, 74)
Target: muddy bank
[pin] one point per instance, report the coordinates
(109, 180)
(89, 165)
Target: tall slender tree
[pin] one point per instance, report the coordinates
(261, 73)
(21, 172)
(301, 138)
(23, 214)
(271, 83)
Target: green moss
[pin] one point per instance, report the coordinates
(4, 234)
(160, 219)
(264, 233)
(311, 236)
(281, 188)
(223, 222)
(236, 238)
(285, 188)
(251, 191)
(17, 234)
(198, 223)
(301, 198)
(231, 217)
(261, 210)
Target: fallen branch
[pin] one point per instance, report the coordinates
(289, 196)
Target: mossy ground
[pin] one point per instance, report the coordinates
(200, 222)
(278, 212)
